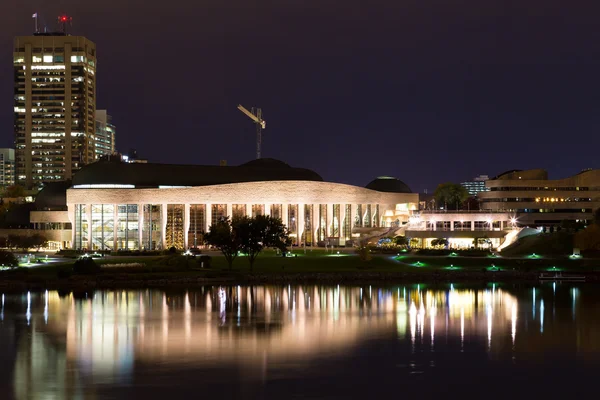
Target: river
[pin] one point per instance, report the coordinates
(302, 341)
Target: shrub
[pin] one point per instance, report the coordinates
(86, 265)
(8, 259)
(364, 253)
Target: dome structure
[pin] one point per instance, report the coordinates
(153, 175)
(388, 184)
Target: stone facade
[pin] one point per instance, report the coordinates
(331, 204)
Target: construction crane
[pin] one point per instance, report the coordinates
(256, 116)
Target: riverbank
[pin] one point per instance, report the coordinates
(190, 279)
(316, 268)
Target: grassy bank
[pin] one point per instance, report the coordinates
(314, 266)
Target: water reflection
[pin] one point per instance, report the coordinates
(106, 334)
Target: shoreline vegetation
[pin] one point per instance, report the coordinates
(316, 266)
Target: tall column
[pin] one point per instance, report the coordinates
(186, 225)
(72, 213)
(163, 225)
(353, 211)
(285, 217)
(88, 213)
(249, 210)
(116, 225)
(472, 226)
(313, 222)
(300, 223)
(267, 209)
(451, 225)
(329, 220)
(229, 210)
(207, 217)
(141, 244)
(502, 225)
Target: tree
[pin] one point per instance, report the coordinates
(472, 203)
(260, 232)
(451, 194)
(400, 241)
(37, 240)
(15, 241)
(13, 191)
(8, 259)
(414, 242)
(224, 236)
(441, 242)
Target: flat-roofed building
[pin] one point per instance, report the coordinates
(105, 135)
(538, 201)
(7, 167)
(462, 229)
(54, 106)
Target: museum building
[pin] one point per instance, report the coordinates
(113, 205)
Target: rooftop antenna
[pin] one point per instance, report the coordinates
(256, 116)
(64, 21)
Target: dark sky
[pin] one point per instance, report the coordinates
(425, 90)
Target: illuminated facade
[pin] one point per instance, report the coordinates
(7, 167)
(460, 228)
(105, 135)
(537, 200)
(54, 106)
(121, 206)
(476, 185)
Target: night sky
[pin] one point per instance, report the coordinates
(425, 90)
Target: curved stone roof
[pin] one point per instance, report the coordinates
(388, 184)
(154, 175)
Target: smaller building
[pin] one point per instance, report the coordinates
(477, 185)
(462, 229)
(105, 134)
(7, 167)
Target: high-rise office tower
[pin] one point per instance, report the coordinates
(476, 185)
(54, 106)
(7, 167)
(105, 134)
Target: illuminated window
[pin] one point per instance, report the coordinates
(81, 226)
(77, 59)
(238, 210)
(258, 209)
(127, 227)
(276, 211)
(358, 218)
(218, 211)
(152, 227)
(197, 221)
(335, 223)
(367, 217)
(103, 226)
(292, 219)
(322, 223)
(36, 59)
(347, 231)
(308, 225)
(48, 58)
(174, 228)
